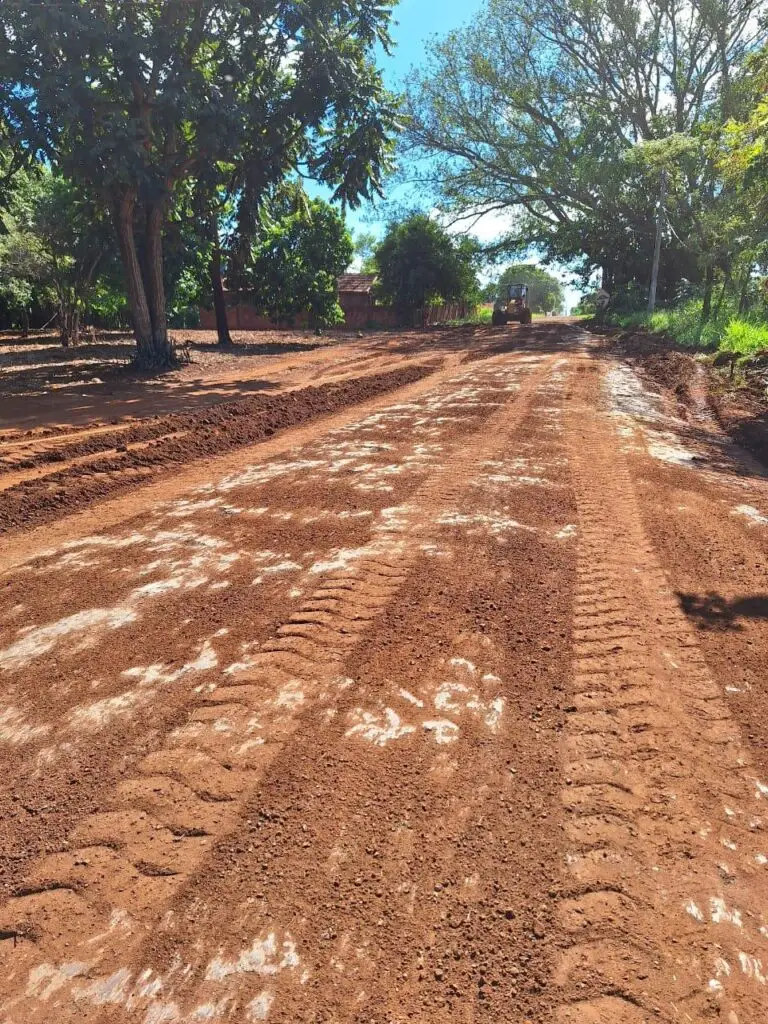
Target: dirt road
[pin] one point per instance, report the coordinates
(444, 701)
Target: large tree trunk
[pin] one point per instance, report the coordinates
(69, 325)
(219, 303)
(162, 353)
(134, 282)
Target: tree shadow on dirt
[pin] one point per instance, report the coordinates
(40, 399)
(271, 348)
(715, 612)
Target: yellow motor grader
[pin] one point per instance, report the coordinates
(512, 304)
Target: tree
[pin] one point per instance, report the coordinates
(537, 108)
(743, 161)
(365, 243)
(134, 100)
(77, 239)
(419, 262)
(55, 245)
(295, 265)
(545, 292)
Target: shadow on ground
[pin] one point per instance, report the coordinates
(713, 611)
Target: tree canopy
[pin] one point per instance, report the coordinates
(295, 265)
(563, 114)
(419, 262)
(52, 247)
(133, 99)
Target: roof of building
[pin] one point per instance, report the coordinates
(362, 283)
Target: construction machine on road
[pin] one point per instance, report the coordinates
(512, 304)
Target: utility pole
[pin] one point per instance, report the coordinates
(657, 248)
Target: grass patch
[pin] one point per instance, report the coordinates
(744, 338)
(685, 324)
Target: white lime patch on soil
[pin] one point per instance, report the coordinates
(265, 956)
(103, 712)
(695, 911)
(456, 697)
(442, 730)
(82, 548)
(159, 675)
(464, 663)
(148, 679)
(518, 472)
(752, 967)
(259, 1007)
(119, 920)
(279, 567)
(46, 979)
(153, 994)
(395, 519)
(496, 523)
(202, 556)
(291, 696)
(720, 913)
(669, 450)
(379, 729)
(262, 473)
(344, 558)
(463, 693)
(633, 405)
(184, 507)
(341, 558)
(42, 639)
(567, 532)
(407, 695)
(751, 513)
(16, 730)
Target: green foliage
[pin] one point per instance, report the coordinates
(419, 262)
(365, 243)
(685, 323)
(744, 338)
(134, 100)
(295, 265)
(54, 247)
(563, 113)
(545, 292)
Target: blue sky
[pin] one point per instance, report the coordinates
(415, 22)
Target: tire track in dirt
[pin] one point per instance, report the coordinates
(175, 440)
(162, 824)
(13, 477)
(21, 546)
(667, 907)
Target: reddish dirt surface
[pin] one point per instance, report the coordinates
(444, 702)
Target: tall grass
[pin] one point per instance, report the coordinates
(724, 331)
(744, 337)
